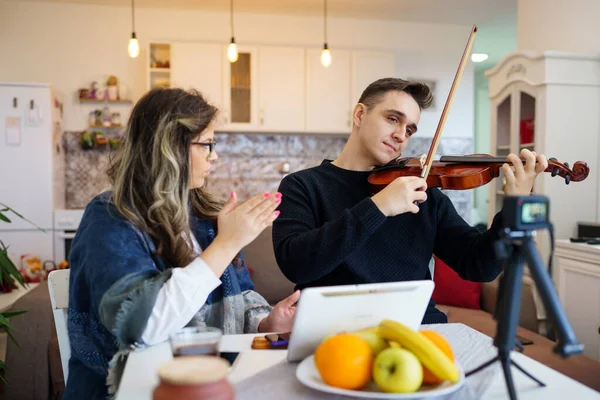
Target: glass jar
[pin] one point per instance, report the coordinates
(194, 378)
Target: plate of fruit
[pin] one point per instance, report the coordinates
(388, 361)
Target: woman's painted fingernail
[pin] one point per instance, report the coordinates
(267, 194)
(232, 194)
(277, 201)
(277, 212)
(278, 195)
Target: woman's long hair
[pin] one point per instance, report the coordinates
(150, 173)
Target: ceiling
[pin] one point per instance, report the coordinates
(461, 12)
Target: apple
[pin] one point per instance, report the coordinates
(396, 370)
(377, 343)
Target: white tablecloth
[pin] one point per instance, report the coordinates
(471, 349)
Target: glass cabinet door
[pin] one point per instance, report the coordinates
(527, 122)
(241, 87)
(240, 90)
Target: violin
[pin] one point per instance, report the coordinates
(460, 172)
(464, 172)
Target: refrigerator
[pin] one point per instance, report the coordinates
(31, 167)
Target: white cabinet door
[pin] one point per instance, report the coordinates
(198, 66)
(367, 67)
(281, 89)
(328, 102)
(579, 291)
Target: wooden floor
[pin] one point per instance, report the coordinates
(3, 341)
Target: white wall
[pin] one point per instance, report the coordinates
(71, 45)
(563, 25)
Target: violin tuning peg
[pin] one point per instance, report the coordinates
(554, 172)
(568, 179)
(552, 159)
(566, 164)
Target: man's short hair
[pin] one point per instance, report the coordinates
(374, 93)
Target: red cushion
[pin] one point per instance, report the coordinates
(451, 290)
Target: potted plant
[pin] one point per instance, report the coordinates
(9, 276)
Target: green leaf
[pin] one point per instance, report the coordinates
(13, 313)
(9, 333)
(20, 216)
(4, 217)
(8, 268)
(13, 211)
(3, 368)
(5, 323)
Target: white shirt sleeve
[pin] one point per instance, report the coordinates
(180, 298)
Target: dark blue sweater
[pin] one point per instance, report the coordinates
(331, 233)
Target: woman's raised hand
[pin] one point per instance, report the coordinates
(240, 224)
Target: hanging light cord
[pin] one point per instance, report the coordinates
(231, 17)
(325, 19)
(132, 16)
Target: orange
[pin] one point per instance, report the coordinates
(345, 361)
(428, 377)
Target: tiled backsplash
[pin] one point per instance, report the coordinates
(248, 164)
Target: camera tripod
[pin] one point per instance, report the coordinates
(515, 248)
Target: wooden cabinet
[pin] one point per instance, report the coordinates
(281, 93)
(577, 276)
(328, 100)
(199, 66)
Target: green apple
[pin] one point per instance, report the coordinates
(377, 343)
(397, 370)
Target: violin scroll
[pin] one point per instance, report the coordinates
(578, 173)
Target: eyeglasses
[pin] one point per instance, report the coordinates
(211, 146)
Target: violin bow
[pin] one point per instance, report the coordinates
(440, 127)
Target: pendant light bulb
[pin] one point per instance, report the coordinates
(326, 56)
(134, 46)
(232, 53)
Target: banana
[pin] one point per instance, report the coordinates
(430, 355)
(373, 329)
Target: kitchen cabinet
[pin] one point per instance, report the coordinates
(271, 88)
(240, 90)
(281, 91)
(199, 66)
(328, 100)
(367, 67)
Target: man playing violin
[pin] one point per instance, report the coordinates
(333, 231)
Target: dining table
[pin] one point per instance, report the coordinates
(267, 374)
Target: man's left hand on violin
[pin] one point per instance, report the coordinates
(519, 178)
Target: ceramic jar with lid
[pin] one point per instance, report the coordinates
(194, 378)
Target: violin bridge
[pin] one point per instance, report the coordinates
(422, 160)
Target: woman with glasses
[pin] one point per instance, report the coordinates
(158, 252)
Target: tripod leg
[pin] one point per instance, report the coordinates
(482, 366)
(567, 342)
(510, 385)
(528, 374)
(510, 303)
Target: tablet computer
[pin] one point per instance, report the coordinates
(322, 311)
